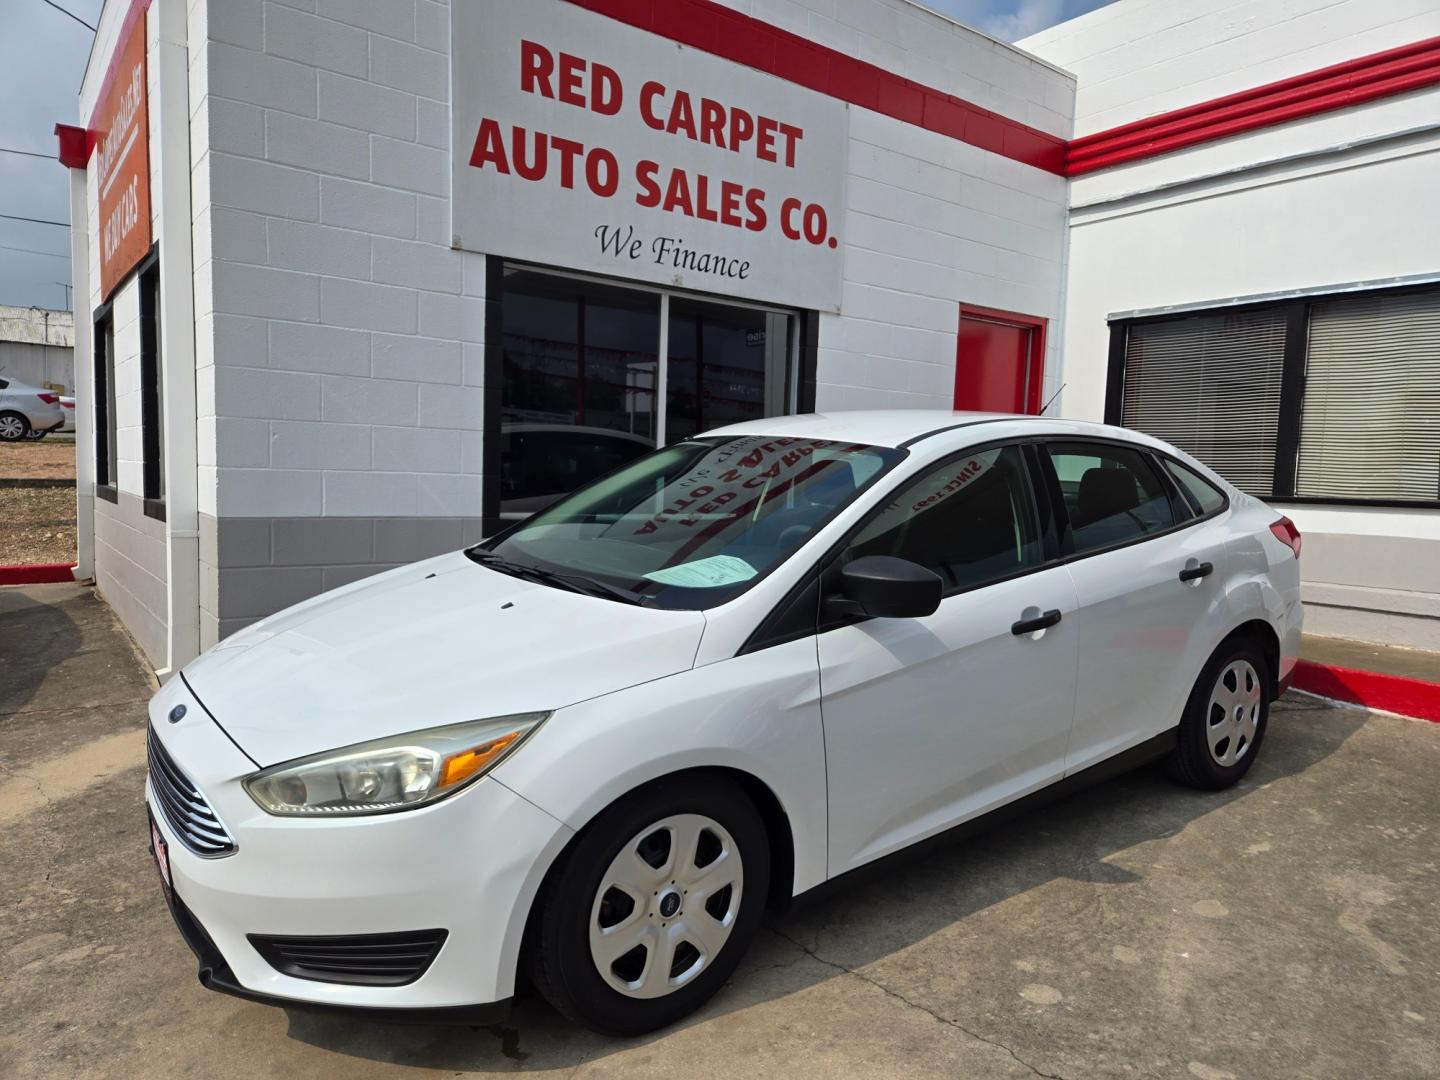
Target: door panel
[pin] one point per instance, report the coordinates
(1143, 634)
(932, 721)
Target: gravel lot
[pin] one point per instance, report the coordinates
(37, 524)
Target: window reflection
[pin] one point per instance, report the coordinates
(727, 364)
(580, 378)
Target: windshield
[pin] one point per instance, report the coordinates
(694, 524)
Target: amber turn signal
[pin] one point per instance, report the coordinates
(466, 763)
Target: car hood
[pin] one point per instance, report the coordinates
(439, 642)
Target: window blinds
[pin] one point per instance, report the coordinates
(1210, 384)
(1371, 422)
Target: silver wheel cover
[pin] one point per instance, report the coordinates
(666, 906)
(1233, 716)
(11, 427)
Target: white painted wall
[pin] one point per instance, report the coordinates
(347, 337)
(1328, 201)
(1137, 58)
(341, 343)
(930, 222)
(130, 560)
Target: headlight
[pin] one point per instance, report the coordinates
(389, 774)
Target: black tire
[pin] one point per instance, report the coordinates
(35, 436)
(10, 432)
(1194, 762)
(560, 963)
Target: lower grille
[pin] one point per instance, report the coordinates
(189, 815)
(357, 959)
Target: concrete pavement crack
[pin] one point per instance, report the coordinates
(916, 1005)
(74, 708)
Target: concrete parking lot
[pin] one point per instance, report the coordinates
(1286, 928)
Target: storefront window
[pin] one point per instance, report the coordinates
(581, 388)
(725, 364)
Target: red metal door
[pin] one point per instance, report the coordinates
(999, 361)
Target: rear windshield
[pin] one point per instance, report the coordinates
(697, 523)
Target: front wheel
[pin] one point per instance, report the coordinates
(35, 436)
(651, 909)
(13, 427)
(1225, 718)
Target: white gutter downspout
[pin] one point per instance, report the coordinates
(171, 178)
(84, 376)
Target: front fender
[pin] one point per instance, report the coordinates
(758, 714)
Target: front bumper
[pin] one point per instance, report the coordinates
(470, 864)
(215, 974)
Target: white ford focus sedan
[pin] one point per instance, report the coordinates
(593, 749)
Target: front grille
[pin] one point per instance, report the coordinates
(358, 959)
(189, 815)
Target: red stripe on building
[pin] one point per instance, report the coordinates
(1340, 86)
(37, 574)
(730, 35)
(1392, 693)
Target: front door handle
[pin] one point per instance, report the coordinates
(1040, 622)
(1192, 573)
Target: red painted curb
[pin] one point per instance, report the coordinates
(1392, 693)
(37, 574)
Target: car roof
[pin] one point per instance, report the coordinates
(899, 427)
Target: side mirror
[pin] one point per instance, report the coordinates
(885, 587)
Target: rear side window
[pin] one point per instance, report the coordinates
(1203, 495)
(970, 521)
(1112, 494)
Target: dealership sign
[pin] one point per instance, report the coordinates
(122, 154)
(584, 143)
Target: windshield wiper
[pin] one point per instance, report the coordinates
(578, 583)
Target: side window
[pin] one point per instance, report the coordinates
(971, 521)
(1205, 496)
(1112, 494)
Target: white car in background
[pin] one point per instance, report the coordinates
(27, 412)
(594, 748)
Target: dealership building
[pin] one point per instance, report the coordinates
(367, 278)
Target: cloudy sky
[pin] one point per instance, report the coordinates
(42, 57)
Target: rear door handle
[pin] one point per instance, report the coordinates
(1191, 573)
(1040, 622)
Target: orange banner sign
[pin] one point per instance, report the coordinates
(122, 132)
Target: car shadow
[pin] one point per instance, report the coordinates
(855, 926)
(35, 637)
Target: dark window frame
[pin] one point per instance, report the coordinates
(1292, 387)
(151, 389)
(491, 523)
(104, 409)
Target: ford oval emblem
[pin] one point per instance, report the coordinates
(177, 714)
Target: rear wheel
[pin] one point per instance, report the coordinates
(13, 427)
(653, 906)
(1225, 718)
